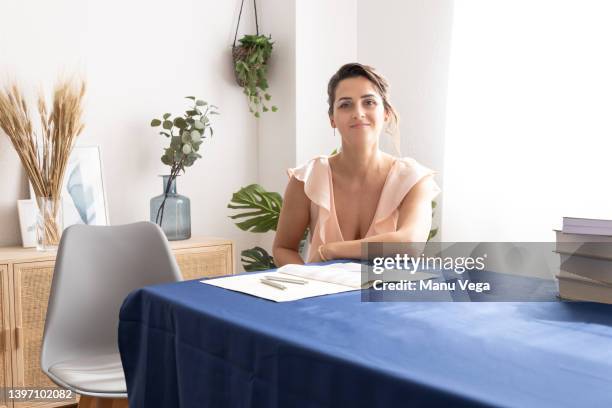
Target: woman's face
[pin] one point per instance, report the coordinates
(358, 112)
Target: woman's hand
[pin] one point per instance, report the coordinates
(414, 223)
(326, 251)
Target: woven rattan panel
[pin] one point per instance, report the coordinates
(33, 281)
(203, 262)
(5, 353)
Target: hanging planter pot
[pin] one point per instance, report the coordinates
(239, 53)
(250, 59)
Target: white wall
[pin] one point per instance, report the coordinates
(408, 42)
(528, 136)
(326, 39)
(276, 130)
(312, 39)
(139, 62)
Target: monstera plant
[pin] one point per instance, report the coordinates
(433, 231)
(258, 211)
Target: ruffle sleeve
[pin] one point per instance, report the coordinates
(315, 176)
(405, 173)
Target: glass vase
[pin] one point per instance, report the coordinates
(172, 212)
(48, 223)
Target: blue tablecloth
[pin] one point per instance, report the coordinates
(193, 345)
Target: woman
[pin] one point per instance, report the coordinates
(360, 194)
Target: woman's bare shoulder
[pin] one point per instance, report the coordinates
(295, 190)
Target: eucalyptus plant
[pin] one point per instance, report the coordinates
(250, 60)
(185, 134)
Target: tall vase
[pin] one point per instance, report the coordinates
(48, 223)
(172, 212)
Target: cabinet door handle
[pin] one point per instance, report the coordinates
(17, 337)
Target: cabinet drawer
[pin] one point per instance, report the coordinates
(5, 343)
(205, 261)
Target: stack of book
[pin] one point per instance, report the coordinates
(585, 249)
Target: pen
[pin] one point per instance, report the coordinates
(288, 280)
(273, 284)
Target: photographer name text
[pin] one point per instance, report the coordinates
(430, 285)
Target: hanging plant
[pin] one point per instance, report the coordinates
(250, 66)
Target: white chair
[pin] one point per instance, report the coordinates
(96, 268)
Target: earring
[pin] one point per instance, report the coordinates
(334, 132)
(389, 128)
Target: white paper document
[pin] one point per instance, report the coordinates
(347, 274)
(322, 280)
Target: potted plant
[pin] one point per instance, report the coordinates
(250, 67)
(259, 213)
(44, 154)
(185, 136)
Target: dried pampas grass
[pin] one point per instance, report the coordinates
(44, 156)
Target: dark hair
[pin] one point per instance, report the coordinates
(355, 69)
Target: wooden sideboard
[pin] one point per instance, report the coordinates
(25, 282)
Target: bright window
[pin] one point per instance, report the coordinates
(529, 118)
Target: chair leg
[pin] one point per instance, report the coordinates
(95, 402)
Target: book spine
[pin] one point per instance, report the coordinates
(586, 251)
(563, 274)
(587, 222)
(577, 290)
(588, 230)
(580, 238)
(599, 270)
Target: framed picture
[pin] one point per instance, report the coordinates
(83, 196)
(27, 222)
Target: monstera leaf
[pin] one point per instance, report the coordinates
(256, 259)
(433, 231)
(260, 208)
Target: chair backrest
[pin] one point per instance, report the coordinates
(95, 269)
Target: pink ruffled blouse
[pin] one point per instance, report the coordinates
(317, 177)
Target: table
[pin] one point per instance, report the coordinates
(193, 345)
